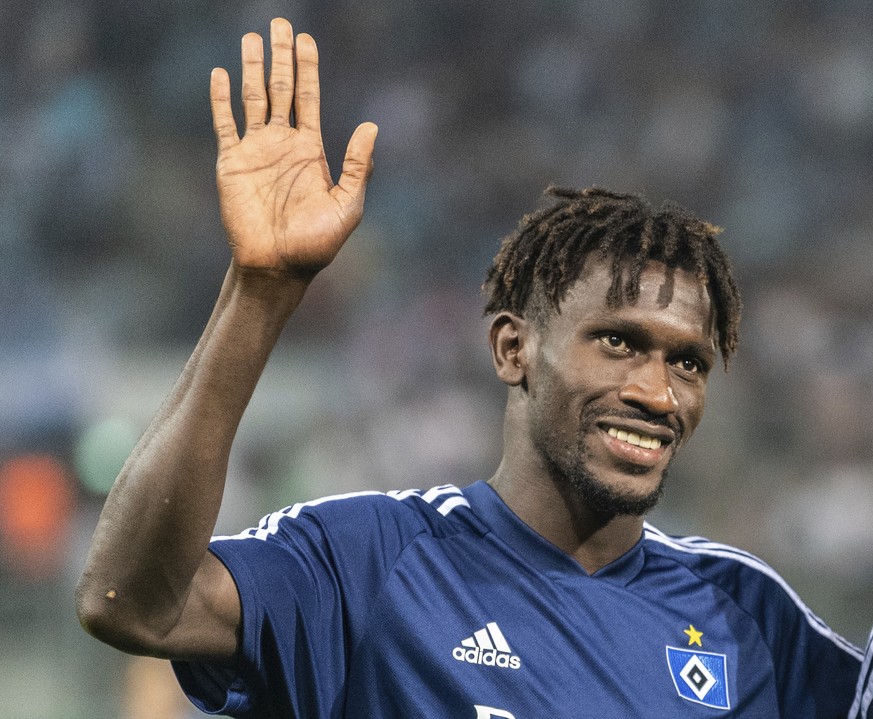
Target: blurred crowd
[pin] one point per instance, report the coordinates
(756, 115)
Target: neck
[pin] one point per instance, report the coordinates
(556, 512)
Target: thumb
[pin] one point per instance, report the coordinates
(358, 162)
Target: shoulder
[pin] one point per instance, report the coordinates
(737, 572)
(700, 553)
(747, 581)
(347, 543)
(359, 514)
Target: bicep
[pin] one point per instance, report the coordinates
(208, 627)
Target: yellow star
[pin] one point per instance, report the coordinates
(693, 635)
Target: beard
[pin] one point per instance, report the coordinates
(603, 498)
(569, 467)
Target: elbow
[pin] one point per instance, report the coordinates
(97, 612)
(102, 614)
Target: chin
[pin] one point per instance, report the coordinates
(608, 499)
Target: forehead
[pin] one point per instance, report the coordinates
(669, 298)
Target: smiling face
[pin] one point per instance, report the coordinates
(612, 393)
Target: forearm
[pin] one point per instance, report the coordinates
(155, 527)
(149, 584)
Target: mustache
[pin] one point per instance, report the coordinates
(595, 413)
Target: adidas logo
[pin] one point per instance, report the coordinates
(489, 647)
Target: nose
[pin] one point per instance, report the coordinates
(648, 387)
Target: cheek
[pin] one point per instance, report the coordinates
(691, 406)
(554, 406)
(564, 384)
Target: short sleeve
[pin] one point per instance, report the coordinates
(862, 706)
(306, 577)
(816, 669)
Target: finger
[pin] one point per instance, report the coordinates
(307, 96)
(281, 70)
(222, 114)
(254, 93)
(358, 162)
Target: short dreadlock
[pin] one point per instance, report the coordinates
(537, 264)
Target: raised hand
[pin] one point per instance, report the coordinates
(279, 205)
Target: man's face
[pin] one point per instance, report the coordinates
(613, 393)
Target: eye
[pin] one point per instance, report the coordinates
(615, 342)
(690, 365)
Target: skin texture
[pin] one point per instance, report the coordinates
(640, 368)
(149, 585)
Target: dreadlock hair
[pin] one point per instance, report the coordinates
(539, 262)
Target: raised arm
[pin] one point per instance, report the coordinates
(150, 586)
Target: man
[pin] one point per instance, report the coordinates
(540, 593)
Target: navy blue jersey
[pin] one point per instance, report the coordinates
(444, 604)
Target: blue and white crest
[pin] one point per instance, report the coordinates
(700, 677)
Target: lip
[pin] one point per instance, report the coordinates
(631, 454)
(665, 434)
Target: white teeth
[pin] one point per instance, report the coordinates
(643, 441)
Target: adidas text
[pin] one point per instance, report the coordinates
(486, 657)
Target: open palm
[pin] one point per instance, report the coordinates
(278, 203)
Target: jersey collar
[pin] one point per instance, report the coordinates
(537, 551)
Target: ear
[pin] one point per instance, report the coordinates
(511, 342)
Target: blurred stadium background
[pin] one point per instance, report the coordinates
(757, 115)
